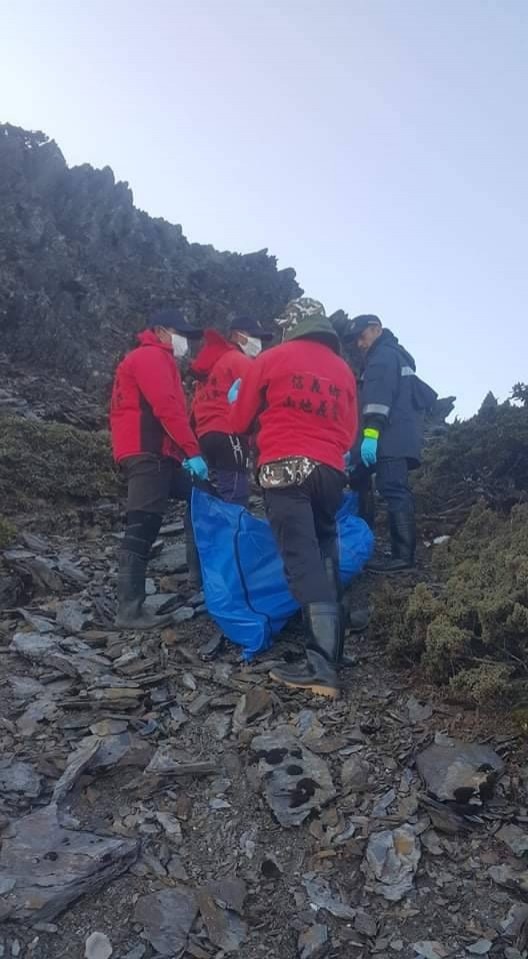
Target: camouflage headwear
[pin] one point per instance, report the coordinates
(298, 310)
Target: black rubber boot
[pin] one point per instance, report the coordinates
(333, 577)
(357, 621)
(141, 532)
(131, 595)
(332, 574)
(193, 558)
(403, 543)
(318, 672)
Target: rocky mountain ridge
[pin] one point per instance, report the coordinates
(81, 267)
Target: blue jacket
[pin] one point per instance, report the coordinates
(394, 400)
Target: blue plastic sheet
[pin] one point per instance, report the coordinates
(245, 588)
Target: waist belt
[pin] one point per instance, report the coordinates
(286, 472)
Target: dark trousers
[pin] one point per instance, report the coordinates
(227, 456)
(303, 520)
(153, 480)
(360, 482)
(392, 483)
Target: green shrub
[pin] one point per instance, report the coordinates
(446, 646)
(484, 457)
(473, 632)
(486, 685)
(7, 533)
(54, 463)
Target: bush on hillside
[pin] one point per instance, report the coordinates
(52, 462)
(471, 631)
(7, 532)
(485, 457)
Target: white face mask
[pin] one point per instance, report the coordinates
(252, 347)
(180, 345)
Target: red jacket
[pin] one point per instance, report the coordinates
(218, 364)
(148, 413)
(304, 398)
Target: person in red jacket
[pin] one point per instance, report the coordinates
(158, 451)
(219, 364)
(301, 399)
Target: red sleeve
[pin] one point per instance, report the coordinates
(239, 364)
(162, 388)
(250, 398)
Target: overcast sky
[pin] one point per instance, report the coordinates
(380, 147)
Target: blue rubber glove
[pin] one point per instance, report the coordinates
(347, 459)
(196, 466)
(233, 391)
(369, 451)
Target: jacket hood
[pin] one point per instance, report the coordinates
(214, 347)
(318, 328)
(387, 338)
(149, 338)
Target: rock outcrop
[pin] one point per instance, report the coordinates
(81, 266)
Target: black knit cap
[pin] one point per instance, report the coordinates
(360, 323)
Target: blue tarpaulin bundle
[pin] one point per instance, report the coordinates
(245, 588)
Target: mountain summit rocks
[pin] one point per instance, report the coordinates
(83, 267)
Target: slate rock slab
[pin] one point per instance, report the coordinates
(24, 688)
(40, 623)
(173, 559)
(294, 781)
(253, 704)
(392, 859)
(461, 772)
(183, 614)
(418, 712)
(72, 572)
(71, 616)
(313, 942)
(225, 929)
(160, 603)
(42, 571)
(505, 875)
(34, 542)
(71, 656)
(77, 763)
(430, 949)
(168, 762)
(355, 772)
(219, 903)
(53, 866)
(19, 778)
(230, 892)
(167, 917)
(98, 946)
(514, 837)
(321, 897)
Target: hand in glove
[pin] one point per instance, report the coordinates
(347, 459)
(369, 448)
(196, 466)
(233, 391)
